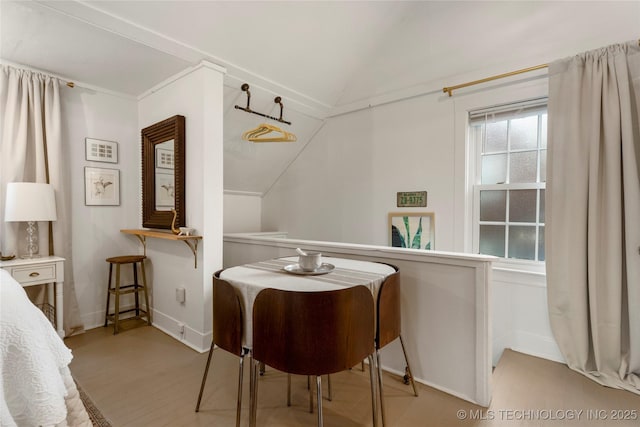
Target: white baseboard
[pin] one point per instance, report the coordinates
(194, 339)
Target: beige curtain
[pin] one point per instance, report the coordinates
(31, 151)
(593, 213)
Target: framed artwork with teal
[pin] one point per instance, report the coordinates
(414, 230)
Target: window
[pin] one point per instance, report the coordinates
(508, 199)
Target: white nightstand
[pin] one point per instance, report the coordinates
(39, 271)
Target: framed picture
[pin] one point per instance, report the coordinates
(165, 191)
(414, 230)
(101, 187)
(165, 157)
(98, 150)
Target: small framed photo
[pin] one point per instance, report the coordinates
(99, 150)
(165, 191)
(101, 187)
(414, 230)
(165, 156)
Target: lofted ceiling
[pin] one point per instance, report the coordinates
(322, 57)
(303, 51)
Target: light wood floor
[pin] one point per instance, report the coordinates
(142, 377)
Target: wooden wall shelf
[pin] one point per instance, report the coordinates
(142, 234)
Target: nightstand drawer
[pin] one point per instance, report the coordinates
(41, 274)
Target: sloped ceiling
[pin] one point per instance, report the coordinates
(322, 57)
(303, 51)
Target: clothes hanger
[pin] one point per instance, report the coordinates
(260, 130)
(254, 135)
(257, 134)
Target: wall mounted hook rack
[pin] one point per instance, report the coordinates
(277, 100)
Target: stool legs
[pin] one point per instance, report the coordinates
(106, 312)
(146, 294)
(136, 286)
(118, 290)
(117, 309)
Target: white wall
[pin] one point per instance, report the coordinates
(197, 95)
(242, 212)
(520, 315)
(345, 182)
(96, 229)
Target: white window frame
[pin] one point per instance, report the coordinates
(466, 158)
(478, 186)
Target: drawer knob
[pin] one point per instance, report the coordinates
(34, 274)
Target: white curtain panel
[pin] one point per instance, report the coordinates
(21, 153)
(30, 123)
(593, 213)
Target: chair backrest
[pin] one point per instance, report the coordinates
(227, 316)
(388, 319)
(313, 333)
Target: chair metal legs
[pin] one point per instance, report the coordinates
(239, 404)
(255, 366)
(413, 383)
(240, 375)
(204, 377)
(308, 388)
(415, 390)
(253, 386)
(330, 397)
(310, 394)
(372, 375)
(319, 399)
(382, 414)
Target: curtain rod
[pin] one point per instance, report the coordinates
(450, 89)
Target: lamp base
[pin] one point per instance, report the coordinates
(32, 241)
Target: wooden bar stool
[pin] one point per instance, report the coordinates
(119, 289)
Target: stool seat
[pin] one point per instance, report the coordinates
(124, 289)
(126, 259)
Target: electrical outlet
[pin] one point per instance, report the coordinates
(180, 295)
(180, 328)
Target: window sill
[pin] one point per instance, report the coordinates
(519, 273)
(518, 266)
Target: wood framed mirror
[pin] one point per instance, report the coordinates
(163, 170)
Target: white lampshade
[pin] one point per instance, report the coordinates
(30, 201)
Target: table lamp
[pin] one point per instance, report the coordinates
(30, 202)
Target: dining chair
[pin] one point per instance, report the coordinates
(227, 331)
(313, 333)
(388, 326)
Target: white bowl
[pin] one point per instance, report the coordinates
(186, 231)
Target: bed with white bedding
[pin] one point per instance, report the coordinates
(36, 388)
